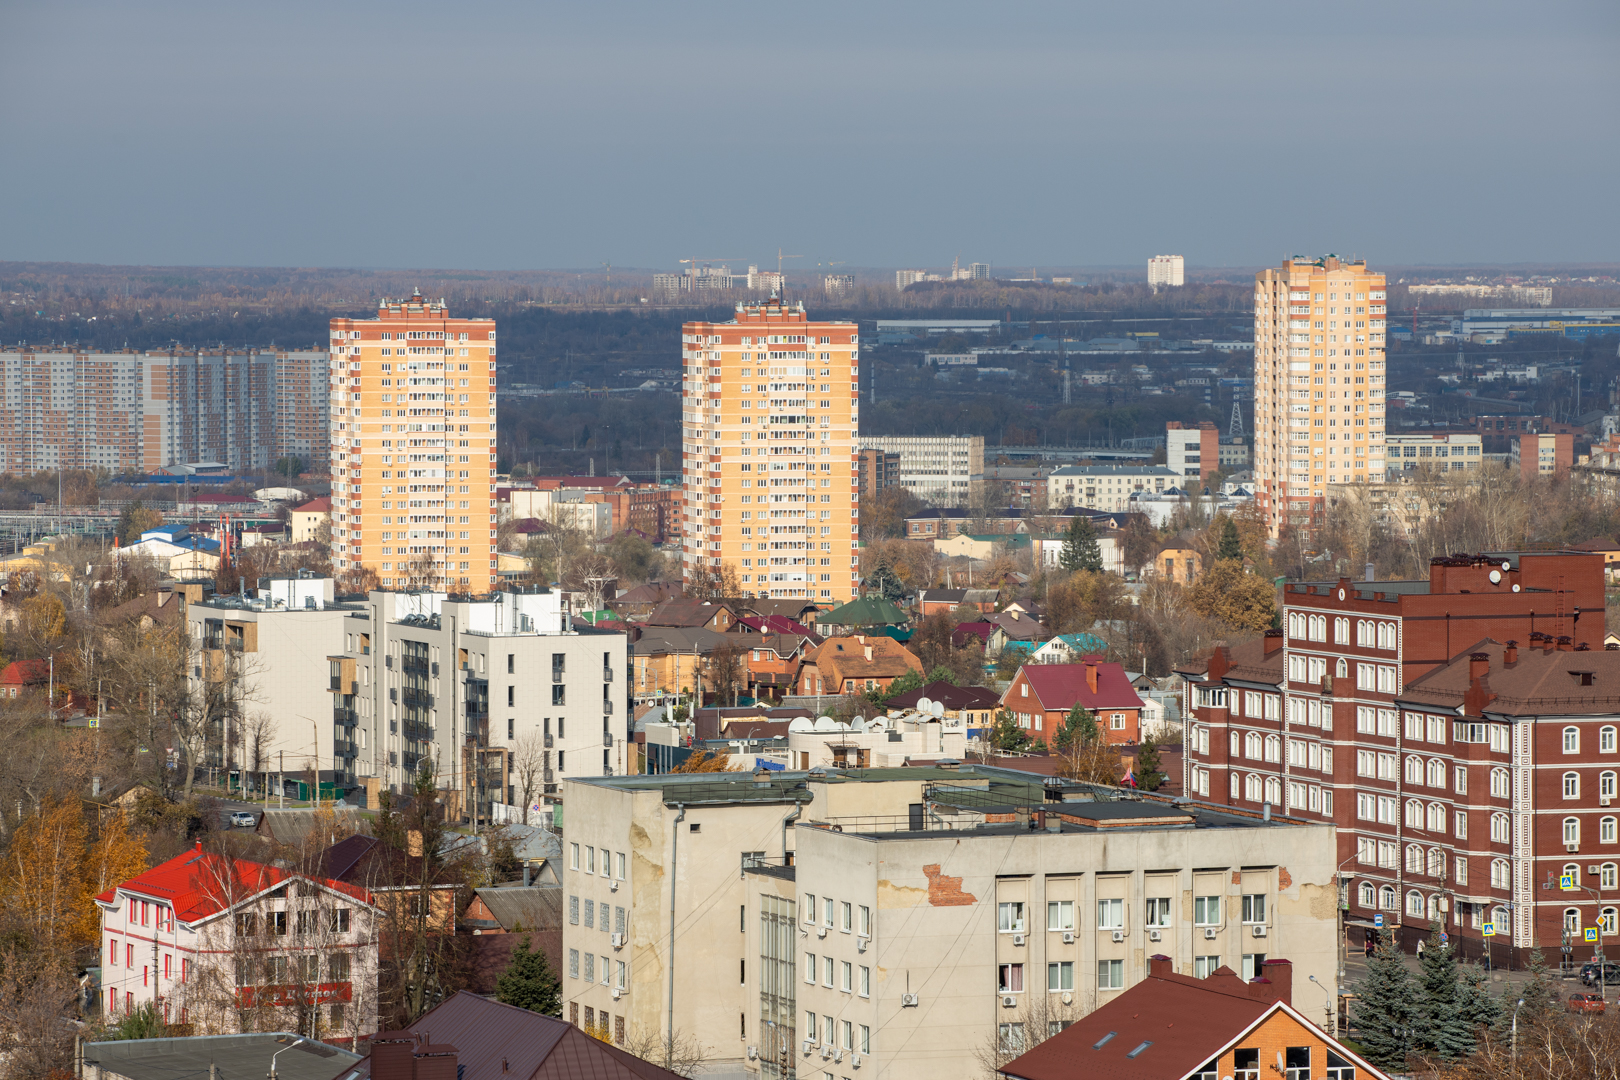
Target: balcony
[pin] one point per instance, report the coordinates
(548, 740)
(607, 706)
(607, 739)
(607, 674)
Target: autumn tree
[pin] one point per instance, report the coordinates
(1240, 599)
(726, 669)
(1137, 541)
(704, 761)
(706, 582)
(136, 518)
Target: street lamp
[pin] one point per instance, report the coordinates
(1333, 1014)
(300, 1042)
(1516, 1009)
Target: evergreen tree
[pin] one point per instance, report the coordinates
(529, 983)
(1441, 1029)
(1080, 548)
(1477, 1008)
(1079, 729)
(1148, 776)
(1007, 735)
(1231, 546)
(1387, 1008)
(1540, 997)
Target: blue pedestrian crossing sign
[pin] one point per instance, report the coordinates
(1567, 882)
(1488, 930)
(1591, 933)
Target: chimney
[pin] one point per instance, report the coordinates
(1091, 675)
(527, 875)
(1478, 664)
(436, 1062)
(1276, 982)
(1510, 653)
(1159, 966)
(393, 1055)
(1371, 574)
(1273, 641)
(1566, 643)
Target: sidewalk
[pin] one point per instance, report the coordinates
(1355, 969)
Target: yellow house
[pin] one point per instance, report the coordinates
(670, 659)
(1178, 564)
(974, 547)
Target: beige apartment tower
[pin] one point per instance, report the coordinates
(413, 447)
(769, 416)
(1318, 384)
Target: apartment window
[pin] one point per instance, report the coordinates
(846, 914)
(1206, 911)
(1205, 966)
(1499, 783)
(1572, 785)
(1060, 975)
(1572, 740)
(810, 972)
(1009, 1038)
(1608, 876)
(573, 856)
(1110, 974)
(1460, 824)
(809, 907)
(1251, 966)
(827, 911)
(590, 860)
(1158, 912)
(810, 1026)
(1254, 908)
(1572, 831)
(1499, 828)
(1607, 830)
(846, 980)
(1606, 785)
(1460, 780)
(573, 963)
(1606, 740)
(1060, 914)
(864, 925)
(866, 982)
(573, 910)
(827, 963)
(1110, 914)
(1010, 917)
(866, 1039)
(1010, 978)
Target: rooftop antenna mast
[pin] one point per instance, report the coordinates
(1236, 426)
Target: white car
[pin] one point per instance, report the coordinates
(242, 819)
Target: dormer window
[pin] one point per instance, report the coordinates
(1583, 678)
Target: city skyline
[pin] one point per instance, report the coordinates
(578, 107)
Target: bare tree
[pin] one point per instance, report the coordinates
(258, 732)
(528, 763)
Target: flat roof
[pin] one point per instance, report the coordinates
(234, 1055)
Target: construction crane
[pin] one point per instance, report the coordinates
(780, 257)
(609, 268)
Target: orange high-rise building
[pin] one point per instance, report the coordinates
(770, 408)
(413, 447)
(1318, 384)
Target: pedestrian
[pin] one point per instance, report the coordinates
(1420, 949)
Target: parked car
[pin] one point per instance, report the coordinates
(1586, 1003)
(1611, 974)
(243, 819)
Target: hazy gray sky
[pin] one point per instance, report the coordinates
(528, 135)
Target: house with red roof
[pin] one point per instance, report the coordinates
(1041, 695)
(308, 522)
(228, 945)
(1176, 1027)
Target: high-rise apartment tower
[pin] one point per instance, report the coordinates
(1318, 383)
(1166, 270)
(413, 447)
(769, 415)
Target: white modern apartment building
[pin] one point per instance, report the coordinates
(942, 471)
(1318, 383)
(1446, 451)
(770, 411)
(1166, 270)
(1107, 487)
(900, 921)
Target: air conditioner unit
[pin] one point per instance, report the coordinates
(861, 943)
(1119, 935)
(821, 932)
(1008, 1001)
(908, 1001)
(1154, 935)
(618, 941)
(1572, 848)
(1068, 937)
(1259, 931)
(808, 1046)
(1605, 801)
(1209, 933)
(854, 1060)
(1595, 870)
(838, 1055)
(617, 993)
(753, 1053)
(826, 1053)
(1018, 939)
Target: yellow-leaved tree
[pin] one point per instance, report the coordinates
(43, 879)
(114, 856)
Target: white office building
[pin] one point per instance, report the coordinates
(1166, 270)
(940, 471)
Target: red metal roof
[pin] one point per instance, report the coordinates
(26, 673)
(1060, 686)
(200, 884)
(322, 505)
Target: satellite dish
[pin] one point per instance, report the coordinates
(923, 704)
(939, 708)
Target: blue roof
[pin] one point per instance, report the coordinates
(1084, 643)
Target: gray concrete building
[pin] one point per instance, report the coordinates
(941, 471)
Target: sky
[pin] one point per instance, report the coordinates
(481, 134)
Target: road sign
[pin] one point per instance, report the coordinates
(1445, 938)
(1591, 933)
(1378, 921)
(1567, 882)
(1488, 930)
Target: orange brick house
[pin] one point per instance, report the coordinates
(1169, 1026)
(773, 661)
(850, 665)
(1041, 695)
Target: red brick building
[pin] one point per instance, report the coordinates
(1431, 721)
(1041, 695)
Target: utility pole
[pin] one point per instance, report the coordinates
(281, 779)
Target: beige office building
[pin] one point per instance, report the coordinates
(769, 416)
(413, 446)
(1318, 384)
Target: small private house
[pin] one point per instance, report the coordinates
(1177, 1027)
(220, 944)
(1041, 696)
(850, 665)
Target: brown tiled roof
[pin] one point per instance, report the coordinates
(1248, 663)
(683, 611)
(1540, 680)
(841, 658)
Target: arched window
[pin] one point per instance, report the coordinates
(1500, 877)
(1607, 830)
(1606, 785)
(1572, 920)
(1437, 863)
(1610, 920)
(1574, 871)
(1572, 740)
(1572, 831)
(1366, 895)
(1609, 876)
(1414, 904)
(1273, 748)
(1434, 907)
(1437, 773)
(1414, 769)
(1572, 785)
(1500, 917)
(1437, 817)
(1252, 789)
(1414, 859)
(1606, 740)
(1499, 784)
(1253, 746)
(1386, 898)
(1386, 635)
(1414, 814)
(1499, 829)
(1273, 791)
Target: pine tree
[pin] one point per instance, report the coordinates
(1231, 546)
(1476, 1007)
(1079, 728)
(1080, 548)
(1387, 1008)
(529, 983)
(1440, 1027)
(1148, 776)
